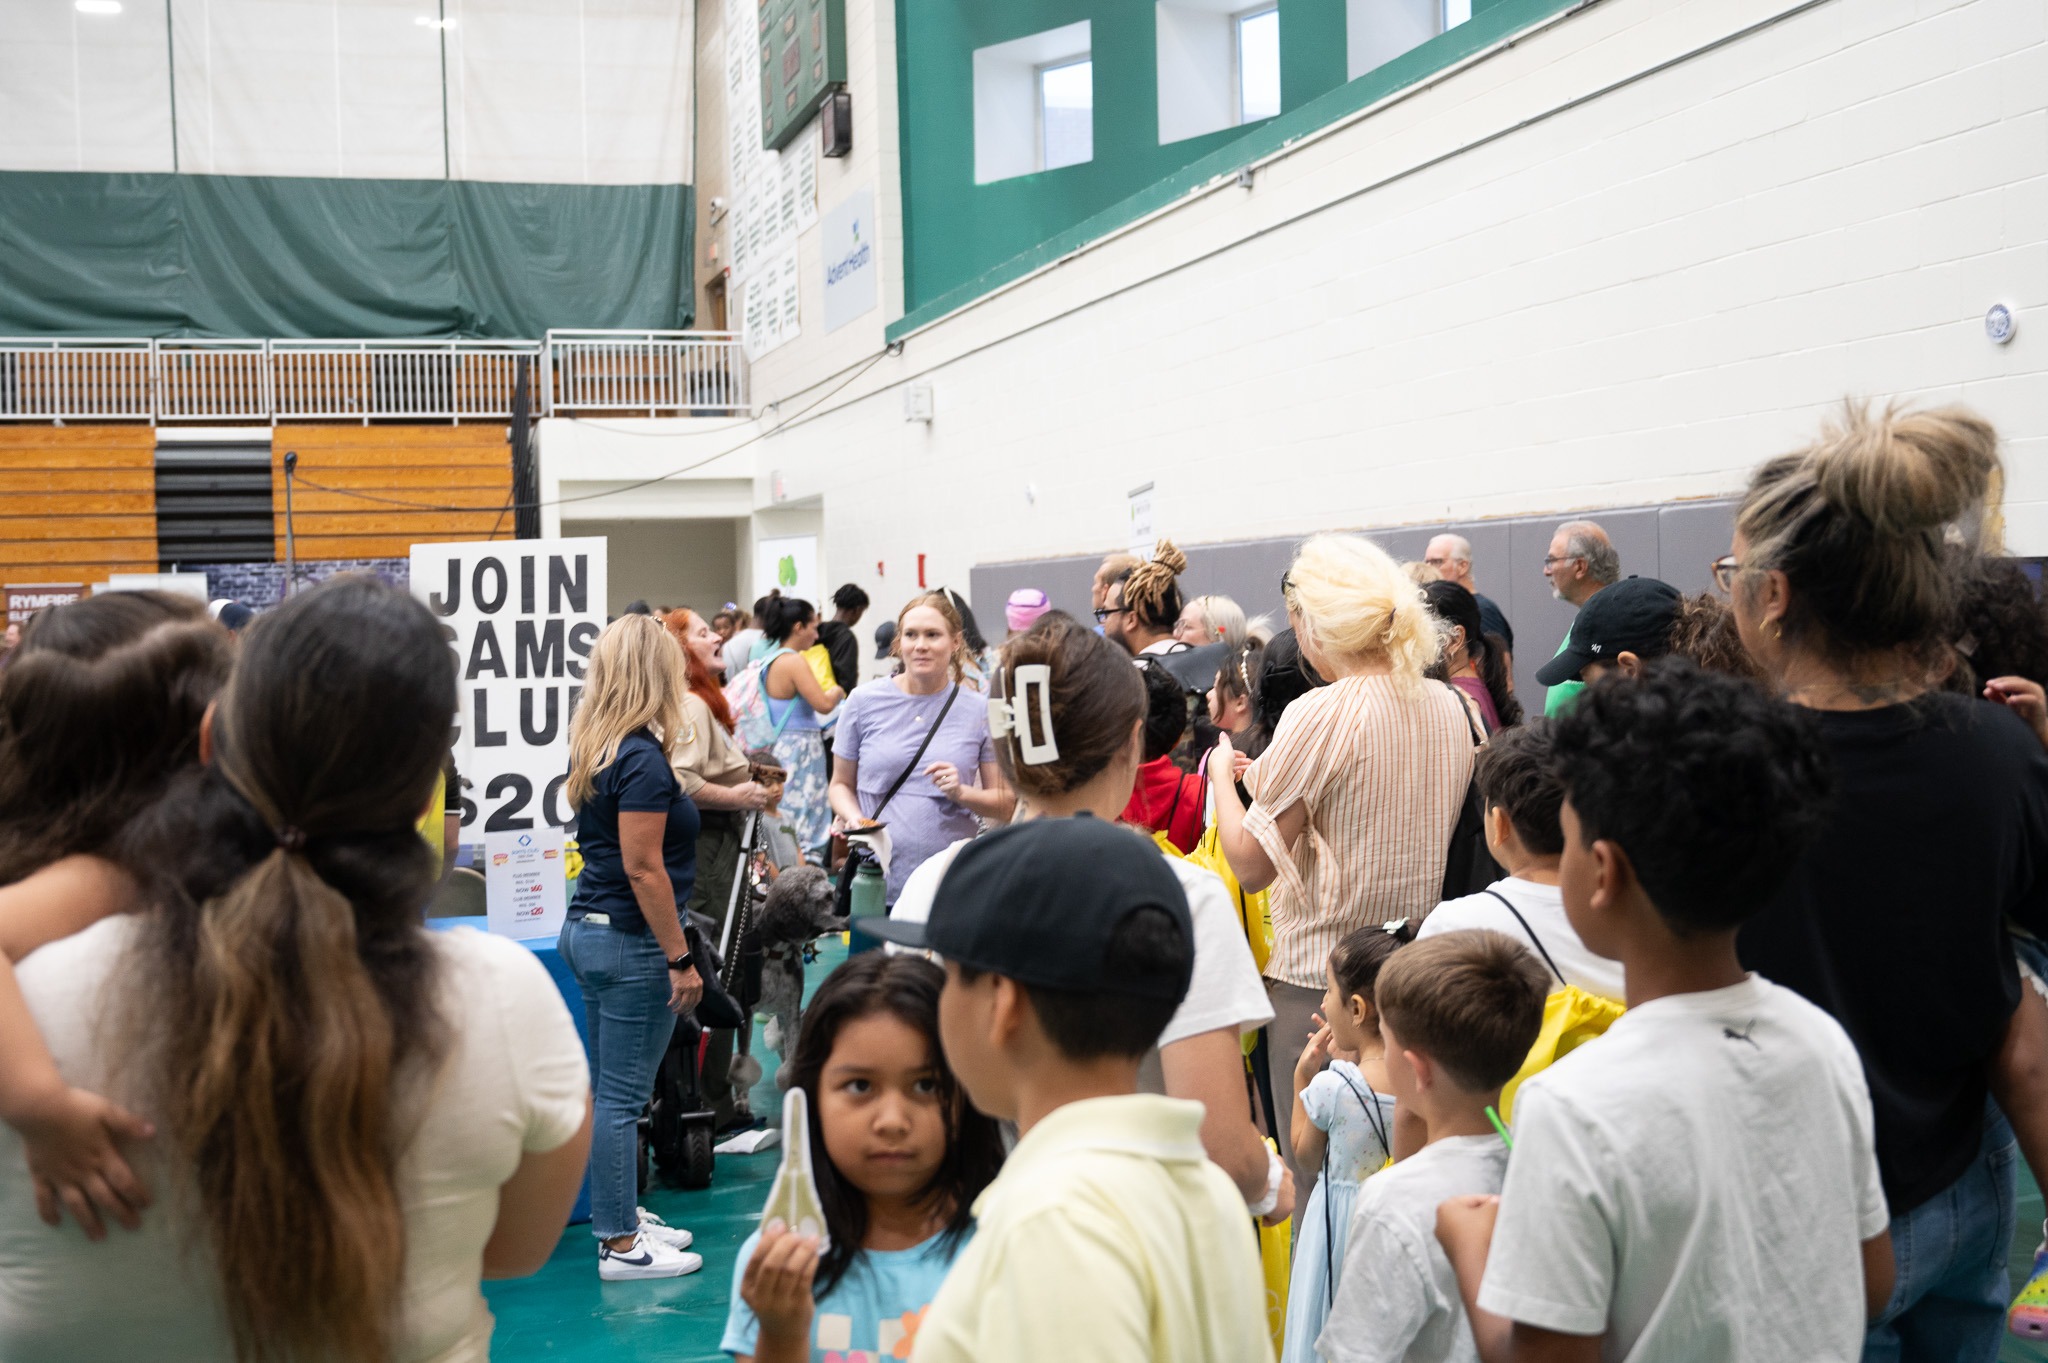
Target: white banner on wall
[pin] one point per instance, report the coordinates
(521, 617)
(790, 563)
(774, 194)
(848, 248)
(525, 893)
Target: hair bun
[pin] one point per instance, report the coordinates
(1168, 556)
(1907, 471)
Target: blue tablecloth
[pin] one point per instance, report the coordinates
(572, 994)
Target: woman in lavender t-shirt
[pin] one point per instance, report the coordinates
(880, 728)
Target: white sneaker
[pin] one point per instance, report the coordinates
(660, 1231)
(645, 1258)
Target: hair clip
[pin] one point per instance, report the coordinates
(1396, 928)
(1011, 719)
(291, 839)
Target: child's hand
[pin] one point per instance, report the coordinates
(1464, 1225)
(2025, 699)
(1320, 1043)
(777, 1284)
(71, 1141)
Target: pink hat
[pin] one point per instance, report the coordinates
(1024, 607)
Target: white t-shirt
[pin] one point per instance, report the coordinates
(1226, 990)
(1397, 1298)
(1696, 1185)
(514, 1081)
(1543, 906)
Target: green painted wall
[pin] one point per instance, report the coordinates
(221, 255)
(962, 239)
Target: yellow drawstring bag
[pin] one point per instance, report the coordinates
(1571, 1018)
(821, 666)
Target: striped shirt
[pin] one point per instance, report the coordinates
(1383, 774)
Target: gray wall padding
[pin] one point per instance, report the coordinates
(1675, 543)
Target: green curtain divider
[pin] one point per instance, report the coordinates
(87, 254)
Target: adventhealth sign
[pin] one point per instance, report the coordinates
(849, 258)
(521, 617)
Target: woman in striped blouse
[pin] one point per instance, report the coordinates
(1355, 798)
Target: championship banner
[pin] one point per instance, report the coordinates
(521, 617)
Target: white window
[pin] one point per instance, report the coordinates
(1219, 65)
(1377, 31)
(1258, 65)
(1066, 114)
(1034, 104)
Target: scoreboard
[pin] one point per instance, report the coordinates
(803, 59)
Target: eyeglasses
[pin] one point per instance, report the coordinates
(1102, 613)
(1287, 586)
(1726, 569)
(1552, 560)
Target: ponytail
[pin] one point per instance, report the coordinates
(287, 1022)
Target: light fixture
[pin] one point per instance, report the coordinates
(97, 6)
(423, 21)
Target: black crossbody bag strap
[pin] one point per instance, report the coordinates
(918, 756)
(1534, 940)
(1379, 1128)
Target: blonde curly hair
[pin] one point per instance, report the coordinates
(1354, 603)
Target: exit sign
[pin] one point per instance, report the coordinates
(803, 58)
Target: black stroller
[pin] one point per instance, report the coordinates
(676, 1130)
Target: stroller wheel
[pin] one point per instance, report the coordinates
(694, 1168)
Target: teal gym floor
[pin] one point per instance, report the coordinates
(564, 1313)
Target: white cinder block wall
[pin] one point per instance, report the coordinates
(1617, 262)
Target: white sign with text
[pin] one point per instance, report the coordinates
(521, 617)
(525, 892)
(848, 248)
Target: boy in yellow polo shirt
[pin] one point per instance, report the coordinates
(1109, 1235)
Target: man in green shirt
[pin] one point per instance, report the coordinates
(1581, 560)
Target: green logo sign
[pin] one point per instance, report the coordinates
(785, 571)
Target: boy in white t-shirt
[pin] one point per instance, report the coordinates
(1458, 1015)
(1701, 1182)
(1518, 782)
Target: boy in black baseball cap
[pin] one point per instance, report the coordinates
(1623, 626)
(1109, 1234)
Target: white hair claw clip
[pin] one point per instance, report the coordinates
(1011, 719)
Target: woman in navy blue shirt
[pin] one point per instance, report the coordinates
(624, 938)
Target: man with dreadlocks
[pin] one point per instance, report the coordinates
(1144, 604)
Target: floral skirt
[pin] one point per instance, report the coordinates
(804, 806)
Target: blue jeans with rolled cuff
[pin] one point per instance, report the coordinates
(624, 977)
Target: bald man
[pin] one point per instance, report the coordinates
(1451, 556)
(1580, 562)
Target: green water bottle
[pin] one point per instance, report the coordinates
(869, 891)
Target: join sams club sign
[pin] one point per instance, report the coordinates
(521, 617)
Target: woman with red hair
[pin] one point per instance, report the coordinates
(716, 774)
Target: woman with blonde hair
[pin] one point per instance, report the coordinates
(625, 937)
(1220, 620)
(913, 750)
(1846, 569)
(1355, 798)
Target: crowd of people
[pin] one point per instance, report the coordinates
(1247, 992)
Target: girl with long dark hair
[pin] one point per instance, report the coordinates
(1473, 661)
(899, 1155)
(350, 1134)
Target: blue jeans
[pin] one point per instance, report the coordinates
(625, 1002)
(1949, 1303)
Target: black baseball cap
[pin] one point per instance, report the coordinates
(1038, 901)
(1634, 615)
(885, 638)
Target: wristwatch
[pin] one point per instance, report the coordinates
(686, 961)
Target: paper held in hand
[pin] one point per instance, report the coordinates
(793, 1197)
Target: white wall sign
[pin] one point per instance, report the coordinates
(1141, 536)
(769, 306)
(178, 584)
(525, 893)
(848, 249)
(774, 195)
(521, 617)
(789, 563)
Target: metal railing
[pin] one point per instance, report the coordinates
(700, 373)
(683, 373)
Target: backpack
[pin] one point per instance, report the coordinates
(1468, 866)
(1571, 1018)
(748, 696)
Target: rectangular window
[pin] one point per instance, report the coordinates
(1066, 114)
(1258, 64)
